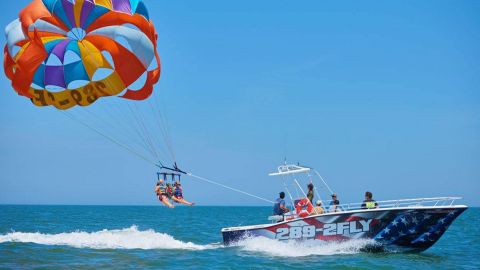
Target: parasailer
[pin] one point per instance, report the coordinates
(178, 194)
(162, 195)
(174, 189)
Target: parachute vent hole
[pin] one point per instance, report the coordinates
(54, 88)
(53, 60)
(153, 65)
(77, 84)
(15, 50)
(139, 83)
(71, 57)
(124, 42)
(101, 74)
(109, 58)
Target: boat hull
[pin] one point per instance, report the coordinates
(399, 229)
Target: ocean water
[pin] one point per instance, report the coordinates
(154, 237)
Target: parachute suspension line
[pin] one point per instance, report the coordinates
(109, 138)
(227, 187)
(166, 152)
(109, 86)
(158, 140)
(163, 125)
(141, 130)
(158, 123)
(137, 129)
(104, 123)
(122, 118)
(145, 132)
(160, 134)
(163, 128)
(325, 183)
(148, 145)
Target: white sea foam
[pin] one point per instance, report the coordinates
(304, 248)
(129, 238)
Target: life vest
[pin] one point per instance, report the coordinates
(178, 192)
(160, 190)
(370, 205)
(303, 207)
(169, 191)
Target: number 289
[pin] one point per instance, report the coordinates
(295, 232)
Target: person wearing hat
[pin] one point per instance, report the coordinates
(279, 207)
(334, 204)
(318, 209)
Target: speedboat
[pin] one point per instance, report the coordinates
(411, 225)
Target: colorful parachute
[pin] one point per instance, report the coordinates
(72, 52)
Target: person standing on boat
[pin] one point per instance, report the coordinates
(369, 203)
(335, 204)
(279, 207)
(310, 193)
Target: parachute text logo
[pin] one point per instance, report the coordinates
(73, 52)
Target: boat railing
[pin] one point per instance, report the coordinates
(386, 204)
(436, 201)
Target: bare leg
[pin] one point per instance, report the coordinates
(166, 201)
(182, 200)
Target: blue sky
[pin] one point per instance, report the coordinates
(376, 95)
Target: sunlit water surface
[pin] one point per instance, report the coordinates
(154, 237)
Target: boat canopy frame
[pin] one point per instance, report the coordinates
(293, 170)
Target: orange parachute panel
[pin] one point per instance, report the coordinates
(67, 53)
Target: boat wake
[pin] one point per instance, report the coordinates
(133, 238)
(276, 248)
(128, 238)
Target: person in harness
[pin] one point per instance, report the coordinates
(169, 191)
(161, 191)
(178, 194)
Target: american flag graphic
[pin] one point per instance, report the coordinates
(414, 229)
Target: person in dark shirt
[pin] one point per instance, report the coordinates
(335, 204)
(279, 207)
(310, 193)
(369, 203)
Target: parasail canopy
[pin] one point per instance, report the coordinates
(73, 52)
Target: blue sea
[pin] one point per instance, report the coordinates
(155, 237)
